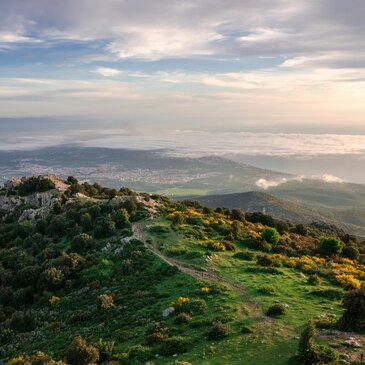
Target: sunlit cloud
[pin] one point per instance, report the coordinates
(107, 72)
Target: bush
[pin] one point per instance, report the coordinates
(82, 243)
(156, 332)
(182, 318)
(310, 353)
(334, 294)
(192, 306)
(6, 335)
(105, 301)
(218, 331)
(139, 354)
(276, 310)
(246, 330)
(270, 235)
(79, 353)
(348, 281)
(300, 229)
(330, 246)
(39, 358)
(175, 345)
(353, 318)
(248, 256)
(106, 349)
(23, 321)
(265, 260)
(229, 246)
(314, 279)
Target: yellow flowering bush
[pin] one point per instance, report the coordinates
(53, 300)
(205, 290)
(307, 268)
(290, 262)
(348, 281)
(216, 246)
(17, 360)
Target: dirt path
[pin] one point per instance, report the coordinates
(206, 275)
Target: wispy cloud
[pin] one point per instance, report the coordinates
(107, 71)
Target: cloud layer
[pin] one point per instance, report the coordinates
(202, 63)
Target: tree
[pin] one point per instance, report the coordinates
(82, 242)
(330, 246)
(270, 235)
(121, 218)
(353, 318)
(237, 214)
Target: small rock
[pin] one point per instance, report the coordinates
(168, 311)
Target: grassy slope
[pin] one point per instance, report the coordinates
(274, 339)
(242, 302)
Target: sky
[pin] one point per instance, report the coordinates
(234, 65)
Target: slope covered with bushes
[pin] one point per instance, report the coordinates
(107, 275)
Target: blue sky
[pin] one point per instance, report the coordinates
(203, 64)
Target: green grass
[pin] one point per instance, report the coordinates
(273, 339)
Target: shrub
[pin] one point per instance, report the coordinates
(330, 246)
(139, 354)
(216, 246)
(175, 345)
(229, 246)
(310, 353)
(6, 335)
(334, 294)
(82, 243)
(270, 235)
(265, 260)
(246, 330)
(248, 256)
(314, 279)
(276, 310)
(23, 321)
(79, 353)
(192, 306)
(218, 331)
(199, 323)
(39, 358)
(353, 318)
(156, 332)
(105, 349)
(183, 318)
(300, 229)
(105, 301)
(348, 281)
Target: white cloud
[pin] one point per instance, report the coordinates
(8, 37)
(331, 179)
(266, 184)
(169, 42)
(107, 72)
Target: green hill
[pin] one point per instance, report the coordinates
(143, 279)
(298, 210)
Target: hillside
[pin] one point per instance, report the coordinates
(146, 280)
(159, 172)
(289, 208)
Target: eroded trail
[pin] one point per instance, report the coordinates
(203, 275)
(207, 275)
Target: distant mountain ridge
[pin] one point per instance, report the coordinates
(285, 209)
